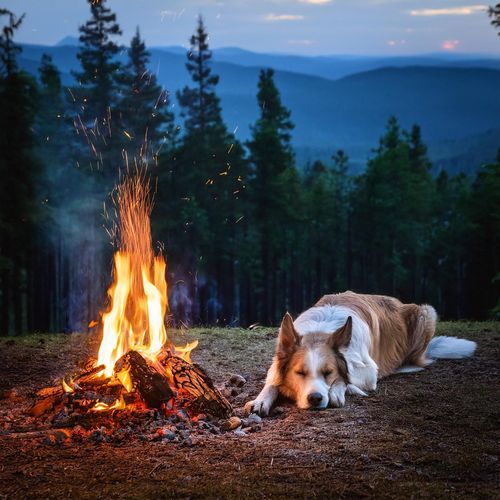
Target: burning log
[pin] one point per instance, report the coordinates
(195, 386)
(51, 396)
(45, 404)
(88, 375)
(152, 386)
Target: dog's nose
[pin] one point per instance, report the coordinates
(315, 398)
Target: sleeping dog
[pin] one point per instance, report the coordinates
(345, 343)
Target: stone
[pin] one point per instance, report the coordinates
(253, 419)
(231, 424)
(169, 436)
(237, 380)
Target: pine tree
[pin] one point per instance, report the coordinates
(207, 149)
(205, 180)
(19, 172)
(274, 119)
(271, 156)
(321, 203)
(51, 123)
(200, 104)
(391, 140)
(483, 242)
(57, 185)
(343, 261)
(494, 13)
(392, 204)
(417, 150)
(96, 95)
(8, 48)
(145, 104)
(446, 255)
(341, 160)
(50, 77)
(419, 202)
(327, 193)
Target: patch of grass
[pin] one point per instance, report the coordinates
(468, 329)
(257, 341)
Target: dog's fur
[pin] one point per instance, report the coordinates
(345, 343)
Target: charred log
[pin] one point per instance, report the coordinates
(45, 404)
(152, 386)
(88, 375)
(52, 396)
(195, 388)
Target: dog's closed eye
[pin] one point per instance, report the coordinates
(301, 373)
(327, 373)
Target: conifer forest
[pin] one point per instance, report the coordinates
(248, 233)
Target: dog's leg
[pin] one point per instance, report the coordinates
(364, 376)
(264, 401)
(421, 321)
(352, 389)
(337, 394)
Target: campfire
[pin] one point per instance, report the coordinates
(138, 369)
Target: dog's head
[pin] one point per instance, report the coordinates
(310, 364)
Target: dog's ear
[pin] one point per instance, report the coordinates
(342, 337)
(288, 338)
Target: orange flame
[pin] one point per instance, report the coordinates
(138, 295)
(119, 404)
(67, 387)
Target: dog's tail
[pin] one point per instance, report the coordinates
(438, 347)
(450, 348)
(428, 348)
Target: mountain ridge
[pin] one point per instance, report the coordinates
(450, 103)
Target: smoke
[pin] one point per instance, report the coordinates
(181, 304)
(81, 248)
(193, 299)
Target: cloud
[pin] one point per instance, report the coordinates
(450, 44)
(393, 43)
(385, 2)
(466, 10)
(316, 2)
(271, 18)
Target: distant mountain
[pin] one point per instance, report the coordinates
(452, 104)
(68, 41)
(331, 66)
(334, 67)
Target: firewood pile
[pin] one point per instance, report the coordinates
(166, 402)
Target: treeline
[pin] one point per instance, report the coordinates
(247, 234)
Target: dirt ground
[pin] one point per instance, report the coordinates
(428, 434)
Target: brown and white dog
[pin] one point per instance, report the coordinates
(345, 343)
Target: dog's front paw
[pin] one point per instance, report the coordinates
(337, 394)
(263, 402)
(260, 406)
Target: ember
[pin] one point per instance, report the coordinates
(137, 368)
